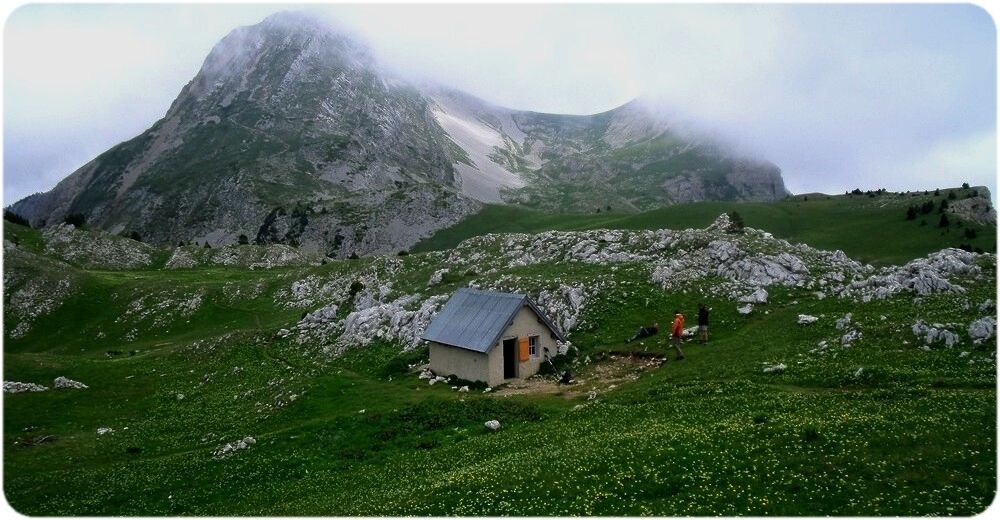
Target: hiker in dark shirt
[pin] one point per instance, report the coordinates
(703, 323)
(644, 332)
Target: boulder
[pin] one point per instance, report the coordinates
(842, 323)
(14, 387)
(805, 319)
(982, 329)
(492, 425)
(758, 296)
(780, 367)
(62, 382)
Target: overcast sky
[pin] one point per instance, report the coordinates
(895, 96)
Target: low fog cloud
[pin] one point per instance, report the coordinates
(895, 96)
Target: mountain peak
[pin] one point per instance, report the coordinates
(291, 133)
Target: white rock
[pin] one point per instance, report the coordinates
(436, 277)
(746, 309)
(104, 430)
(13, 387)
(805, 319)
(842, 323)
(233, 446)
(62, 382)
(493, 425)
(851, 336)
(982, 329)
(464, 389)
(758, 296)
(780, 367)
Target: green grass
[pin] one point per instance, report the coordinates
(855, 224)
(913, 434)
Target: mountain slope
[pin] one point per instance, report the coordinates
(632, 157)
(292, 133)
(288, 133)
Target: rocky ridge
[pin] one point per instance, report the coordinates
(740, 267)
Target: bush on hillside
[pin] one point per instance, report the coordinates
(10, 216)
(77, 219)
(736, 223)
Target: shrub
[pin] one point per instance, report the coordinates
(134, 235)
(810, 434)
(759, 419)
(77, 219)
(10, 216)
(356, 287)
(736, 223)
(243, 240)
(911, 213)
(944, 221)
(965, 185)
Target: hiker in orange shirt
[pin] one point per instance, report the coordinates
(678, 331)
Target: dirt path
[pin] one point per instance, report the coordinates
(601, 375)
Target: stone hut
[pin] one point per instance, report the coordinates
(491, 337)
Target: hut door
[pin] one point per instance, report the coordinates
(510, 358)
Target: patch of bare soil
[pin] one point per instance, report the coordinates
(589, 378)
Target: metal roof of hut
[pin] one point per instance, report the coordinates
(474, 319)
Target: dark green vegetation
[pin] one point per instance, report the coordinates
(856, 224)
(911, 433)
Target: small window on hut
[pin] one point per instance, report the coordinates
(533, 346)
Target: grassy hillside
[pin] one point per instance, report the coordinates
(180, 363)
(855, 224)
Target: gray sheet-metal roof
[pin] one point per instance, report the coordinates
(474, 319)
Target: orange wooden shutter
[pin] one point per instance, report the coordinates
(523, 343)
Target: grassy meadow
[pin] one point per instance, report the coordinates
(882, 427)
(855, 224)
